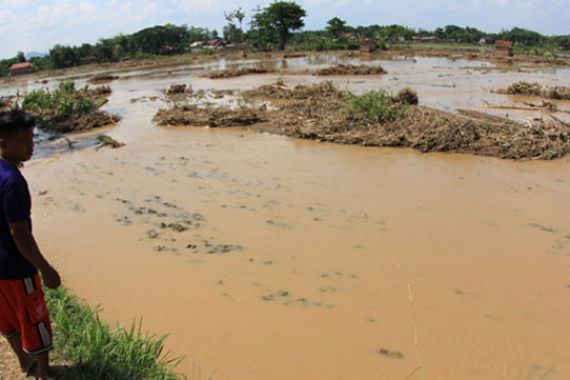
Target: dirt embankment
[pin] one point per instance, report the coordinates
(351, 70)
(535, 89)
(324, 113)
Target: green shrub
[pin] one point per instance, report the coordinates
(374, 107)
(62, 104)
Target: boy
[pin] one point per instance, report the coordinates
(24, 319)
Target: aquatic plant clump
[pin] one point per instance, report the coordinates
(96, 350)
(67, 109)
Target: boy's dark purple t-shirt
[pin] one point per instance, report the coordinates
(15, 206)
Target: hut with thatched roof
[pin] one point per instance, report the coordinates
(503, 48)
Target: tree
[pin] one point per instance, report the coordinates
(64, 56)
(231, 31)
(21, 57)
(336, 27)
(278, 20)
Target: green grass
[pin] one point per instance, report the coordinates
(95, 350)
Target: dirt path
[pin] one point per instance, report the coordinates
(8, 365)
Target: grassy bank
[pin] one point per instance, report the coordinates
(95, 350)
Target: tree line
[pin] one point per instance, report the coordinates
(271, 27)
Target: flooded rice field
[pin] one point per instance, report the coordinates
(265, 257)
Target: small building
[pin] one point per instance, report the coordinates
(367, 45)
(216, 43)
(88, 60)
(21, 68)
(482, 41)
(425, 39)
(504, 48)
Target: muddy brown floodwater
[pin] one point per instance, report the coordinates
(270, 258)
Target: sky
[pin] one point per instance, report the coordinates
(28, 25)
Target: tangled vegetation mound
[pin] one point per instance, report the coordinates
(535, 89)
(232, 73)
(102, 78)
(407, 96)
(67, 109)
(280, 91)
(209, 116)
(323, 112)
(352, 70)
(178, 89)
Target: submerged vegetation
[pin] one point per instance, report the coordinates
(67, 109)
(94, 350)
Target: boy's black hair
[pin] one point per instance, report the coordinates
(13, 121)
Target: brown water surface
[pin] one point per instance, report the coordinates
(270, 258)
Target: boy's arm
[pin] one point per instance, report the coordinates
(29, 249)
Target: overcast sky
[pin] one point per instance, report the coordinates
(28, 25)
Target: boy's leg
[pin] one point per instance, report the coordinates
(35, 325)
(24, 359)
(43, 365)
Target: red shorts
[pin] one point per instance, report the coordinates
(23, 311)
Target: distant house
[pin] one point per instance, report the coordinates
(196, 47)
(504, 48)
(216, 43)
(21, 68)
(425, 39)
(482, 41)
(367, 45)
(88, 60)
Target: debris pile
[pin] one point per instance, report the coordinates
(209, 116)
(324, 113)
(232, 73)
(535, 89)
(178, 89)
(104, 140)
(407, 96)
(102, 78)
(352, 70)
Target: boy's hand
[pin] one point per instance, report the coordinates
(51, 278)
